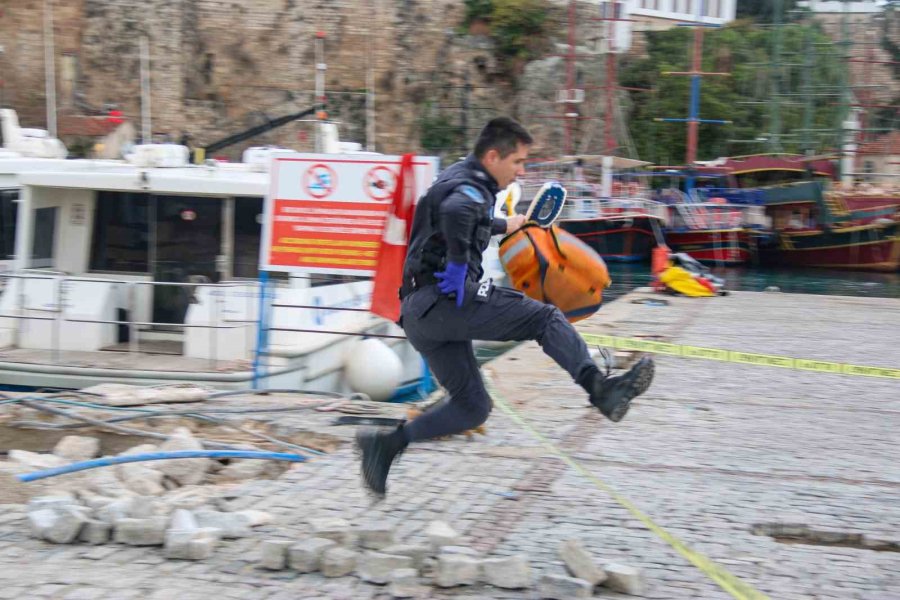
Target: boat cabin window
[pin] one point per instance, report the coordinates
(247, 231)
(8, 213)
(121, 239)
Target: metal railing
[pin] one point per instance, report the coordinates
(59, 305)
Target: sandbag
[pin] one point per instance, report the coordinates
(553, 266)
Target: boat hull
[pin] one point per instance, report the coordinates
(872, 247)
(719, 246)
(615, 240)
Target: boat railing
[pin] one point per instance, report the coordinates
(709, 215)
(56, 312)
(629, 207)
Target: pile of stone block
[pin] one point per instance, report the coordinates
(157, 478)
(335, 548)
(587, 575)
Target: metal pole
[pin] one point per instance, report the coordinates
(133, 344)
(320, 86)
(370, 85)
(570, 79)
(262, 327)
(50, 68)
(57, 321)
(146, 132)
(214, 330)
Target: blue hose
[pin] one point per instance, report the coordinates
(117, 460)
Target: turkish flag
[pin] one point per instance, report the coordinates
(392, 252)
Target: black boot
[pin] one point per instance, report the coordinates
(613, 394)
(379, 448)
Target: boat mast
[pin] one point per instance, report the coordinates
(50, 68)
(693, 121)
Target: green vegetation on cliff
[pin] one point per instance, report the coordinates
(742, 49)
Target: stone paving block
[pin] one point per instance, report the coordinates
(77, 447)
(58, 525)
(405, 584)
(305, 556)
(273, 554)
(580, 563)
(332, 529)
(141, 532)
(375, 536)
(52, 502)
(440, 534)
(417, 552)
(95, 532)
(457, 569)
(192, 544)
(376, 567)
(509, 572)
(560, 587)
(338, 562)
(232, 524)
(624, 579)
(183, 520)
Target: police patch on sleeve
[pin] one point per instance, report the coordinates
(472, 193)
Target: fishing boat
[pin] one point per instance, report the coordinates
(622, 224)
(144, 271)
(814, 224)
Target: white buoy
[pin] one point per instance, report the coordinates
(372, 368)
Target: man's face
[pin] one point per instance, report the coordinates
(506, 170)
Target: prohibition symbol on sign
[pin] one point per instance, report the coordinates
(319, 180)
(380, 182)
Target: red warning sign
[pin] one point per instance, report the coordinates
(380, 182)
(319, 180)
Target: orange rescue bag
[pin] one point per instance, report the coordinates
(554, 267)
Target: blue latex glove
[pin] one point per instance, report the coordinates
(452, 280)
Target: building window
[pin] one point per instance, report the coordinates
(8, 212)
(121, 237)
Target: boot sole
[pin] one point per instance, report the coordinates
(359, 452)
(643, 371)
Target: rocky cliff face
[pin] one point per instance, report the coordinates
(219, 67)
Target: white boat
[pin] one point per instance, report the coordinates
(145, 272)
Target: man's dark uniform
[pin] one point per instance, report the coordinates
(460, 204)
(453, 223)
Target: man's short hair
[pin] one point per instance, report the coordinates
(503, 135)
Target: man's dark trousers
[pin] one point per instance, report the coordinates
(443, 332)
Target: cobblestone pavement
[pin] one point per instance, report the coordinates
(710, 451)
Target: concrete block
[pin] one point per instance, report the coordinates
(255, 518)
(141, 532)
(183, 520)
(376, 536)
(405, 584)
(580, 563)
(53, 502)
(624, 579)
(417, 552)
(273, 554)
(440, 534)
(332, 529)
(559, 587)
(233, 525)
(77, 447)
(196, 544)
(457, 569)
(95, 532)
(305, 556)
(186, 471)
(509, 572)
(376, 567)
(338, 562)
(34, 460)
(59, 525)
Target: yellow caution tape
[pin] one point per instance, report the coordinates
(725, 579)
(748, 358)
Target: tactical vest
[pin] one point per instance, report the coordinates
(427, 252)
